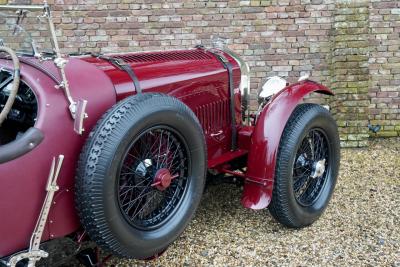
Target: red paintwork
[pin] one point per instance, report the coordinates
(265, 140)
(22, 181)
(228, 156)
(200, 84)
(244, 137)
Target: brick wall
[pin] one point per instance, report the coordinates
(351, 46)
(350, 70)
(384, 66)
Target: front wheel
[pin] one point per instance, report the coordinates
(307, 166)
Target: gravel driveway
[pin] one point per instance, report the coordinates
(360, 226)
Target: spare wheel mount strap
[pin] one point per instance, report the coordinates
(122, 65)
(228, 66)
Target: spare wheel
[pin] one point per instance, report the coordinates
(141, 175)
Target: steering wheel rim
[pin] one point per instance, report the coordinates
(14, 90)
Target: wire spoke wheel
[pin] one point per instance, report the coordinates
(152, 177)
(310, 164)
(307, 166)
(141, 175)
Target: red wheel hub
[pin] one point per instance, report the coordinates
(162, 179)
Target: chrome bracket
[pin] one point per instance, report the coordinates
(80, 115)
(59, 60)
(34, 253)
(33, 257)
(61, 63)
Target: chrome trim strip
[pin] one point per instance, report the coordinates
(244, 80)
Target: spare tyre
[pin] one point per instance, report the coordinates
(141, 175)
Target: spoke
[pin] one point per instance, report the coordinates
(170, 193)
(142, 204)
(322, 146)
(305, 146)
(307, 167)
(127, 167)
(136, 185)
(126, 195)
(175, 167)
(166, 152)
(311, 181)
(140, 160)
(149, 149)
(159, 150)
(313, 148)
(317, 143)
(147, 202)
(300, 182)
(312, 145)
(134, 150)
(300, 166)
(304, 187)
(135, 173)
(132, 202)
(130, 197)
(140, 183)
(173, 156)
(302, 174)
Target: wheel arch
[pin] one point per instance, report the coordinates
(265, 141)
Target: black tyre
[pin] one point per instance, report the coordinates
(141, 175)
(307, 166)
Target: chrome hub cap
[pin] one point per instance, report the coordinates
(319, 169)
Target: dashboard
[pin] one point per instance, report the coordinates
(24, 110)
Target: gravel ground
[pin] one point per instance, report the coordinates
(360, 226)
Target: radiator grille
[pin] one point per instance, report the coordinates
(213, 116)
(165, 56)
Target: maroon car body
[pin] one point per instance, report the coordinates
(196, 77)
(204, 89)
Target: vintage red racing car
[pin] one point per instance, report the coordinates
(116, 148)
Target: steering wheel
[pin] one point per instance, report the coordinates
(14, 89)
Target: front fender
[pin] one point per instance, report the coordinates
(265, 140)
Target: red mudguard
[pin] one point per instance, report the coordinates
(265, 140)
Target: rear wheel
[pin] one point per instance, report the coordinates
(141, 175)
(307, 166)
